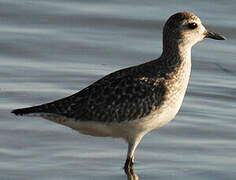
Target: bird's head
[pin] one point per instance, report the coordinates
(186, 29)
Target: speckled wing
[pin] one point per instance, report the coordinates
(124, 95)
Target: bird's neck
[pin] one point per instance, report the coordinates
(174, 54)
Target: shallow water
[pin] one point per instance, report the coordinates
(50, 49)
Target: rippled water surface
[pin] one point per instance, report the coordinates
(53, 48)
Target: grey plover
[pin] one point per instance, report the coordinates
(133, 101)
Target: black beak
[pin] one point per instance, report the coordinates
(213, 35)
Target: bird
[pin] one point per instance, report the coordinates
(131, 102)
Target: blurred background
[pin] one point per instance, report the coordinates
(50, 49)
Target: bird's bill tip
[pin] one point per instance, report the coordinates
(214, 35)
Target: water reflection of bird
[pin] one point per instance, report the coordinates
(133, 101)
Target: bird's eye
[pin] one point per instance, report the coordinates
(192, 25)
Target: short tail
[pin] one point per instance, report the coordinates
(28, 111)
(54, 107)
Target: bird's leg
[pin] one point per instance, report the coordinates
(129, 163)
(129, 170)
(133, 143)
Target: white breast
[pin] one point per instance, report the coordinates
(176, 89)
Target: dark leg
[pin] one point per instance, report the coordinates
(129, 163)
(132, 145)
(129, 169)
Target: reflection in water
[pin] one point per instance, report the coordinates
(131, 174)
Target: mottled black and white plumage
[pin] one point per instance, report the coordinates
(124, 95)
(131, 102)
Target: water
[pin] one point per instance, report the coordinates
(50, 49)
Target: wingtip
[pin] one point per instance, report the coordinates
(27, 111)
(17, 112)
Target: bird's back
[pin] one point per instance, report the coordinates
(124, 95)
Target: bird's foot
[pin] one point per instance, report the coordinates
(129, 169)
(129, 164)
